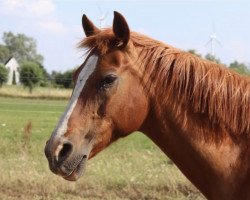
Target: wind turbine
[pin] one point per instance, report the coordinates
(213, 40)
(102, 17)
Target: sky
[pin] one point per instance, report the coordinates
(56, 25)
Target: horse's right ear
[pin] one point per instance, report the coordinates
(88, 27)
(121, 29)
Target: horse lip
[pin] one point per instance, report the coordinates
(76, 172)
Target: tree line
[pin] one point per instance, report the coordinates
(33, 73)
(239, 67)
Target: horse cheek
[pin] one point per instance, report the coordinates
(129, 114)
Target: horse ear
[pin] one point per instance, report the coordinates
(88, 27)
(121, 29)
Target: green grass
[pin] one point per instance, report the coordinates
(132, 168)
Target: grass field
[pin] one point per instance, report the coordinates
(18, 91)
(132, 168)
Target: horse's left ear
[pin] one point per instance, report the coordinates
(88, 27)
(121, 29)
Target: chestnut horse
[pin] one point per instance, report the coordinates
(196, 111)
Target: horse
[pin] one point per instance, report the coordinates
(196, 111)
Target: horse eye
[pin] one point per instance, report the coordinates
(108, 81)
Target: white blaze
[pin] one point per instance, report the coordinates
(87, 70)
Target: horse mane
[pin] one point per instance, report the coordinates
(207, 87)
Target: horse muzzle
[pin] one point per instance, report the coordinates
(64, 160)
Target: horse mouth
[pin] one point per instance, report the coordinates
(77, 172)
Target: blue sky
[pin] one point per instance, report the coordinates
(56, 25)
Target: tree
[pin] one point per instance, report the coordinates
(30, 74)
(63, 79)
(212, 58)
(45, 76)
(22, 47)
(194, 52)
(3, 74)
(241, 68)
(4, 54)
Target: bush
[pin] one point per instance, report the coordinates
(3, 75)
(64, 79)
(30, 75)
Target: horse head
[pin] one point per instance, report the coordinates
(108, 100)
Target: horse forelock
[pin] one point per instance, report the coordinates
(182, 78)
(102, 41)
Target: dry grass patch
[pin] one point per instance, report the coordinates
(38, 92)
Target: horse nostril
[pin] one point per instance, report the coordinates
(66, 150)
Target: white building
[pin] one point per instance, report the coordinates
(13, 68)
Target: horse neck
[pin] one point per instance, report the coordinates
(206, 153)
(216, 168)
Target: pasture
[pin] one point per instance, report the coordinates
(14, 91)
(132, 168)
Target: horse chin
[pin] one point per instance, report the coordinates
(77, 172)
